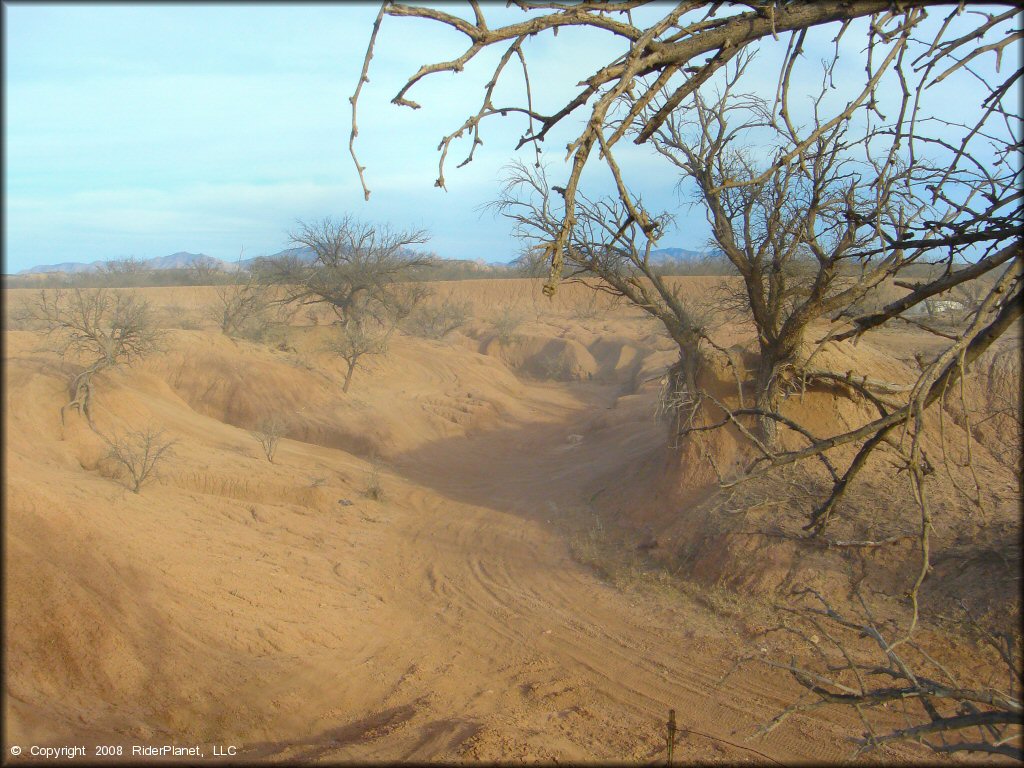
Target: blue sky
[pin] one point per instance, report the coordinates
(141, 130)
(144, 130)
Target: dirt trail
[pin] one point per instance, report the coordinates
(513, 650)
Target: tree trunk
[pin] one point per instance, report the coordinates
(348, 376)
(767, 396)
(682, 391)
(775, 358)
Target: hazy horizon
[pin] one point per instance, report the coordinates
(140, 131)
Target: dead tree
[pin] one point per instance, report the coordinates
(363, 272)
(105, 328)
(245, 298)
(963, 213)
(357, 339)
(606, 243)
(1000, 310)
(130, 265)
(355, 268)
(204, 271)
(644, 94)
(268, 434)
(973, 205)
(802, 236)
(138, 453)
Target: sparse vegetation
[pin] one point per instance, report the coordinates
(138, 453)
(103, 327)
(242, 303)
(374, 487)
(113, 270)
(836, 514)
(811, 230)
(180, 317)
(204, 271)
(268, 434)
(435, 321)
(357, 340)
(505, 322)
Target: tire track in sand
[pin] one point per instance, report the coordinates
(528, 651)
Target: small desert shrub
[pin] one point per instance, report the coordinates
(374, 489)
(176, 316)
(505, 323)
(607, 557)
(138, 454)
(554, 367)
(586, 306)
(268, 434)
(586, 547)
(437, 321)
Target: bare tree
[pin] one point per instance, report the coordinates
(139, 453)
(363, 272)
(966, 218)
(242, 300)
(680, 48)
(127, 266)
(204, 270)
(357, 269)
(804, 236)
(605, 243)
(634, 96)
(268, 434)
(106, 328)
(357, 339)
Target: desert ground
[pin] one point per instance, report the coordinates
(484, 551)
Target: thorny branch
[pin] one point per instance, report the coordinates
(670, 48)
(940, 707)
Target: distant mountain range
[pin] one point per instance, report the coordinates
(669, 255)
(179, 260)
(185, 259)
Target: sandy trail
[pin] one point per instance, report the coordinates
(510, 650)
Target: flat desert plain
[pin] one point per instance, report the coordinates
(485, 550)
